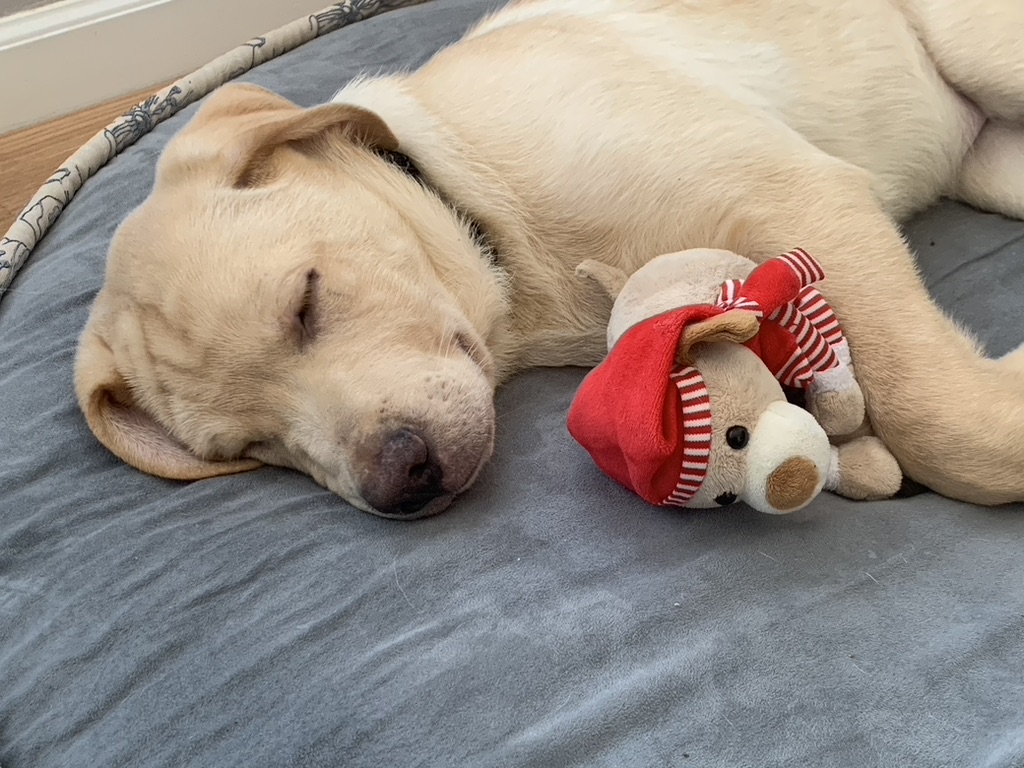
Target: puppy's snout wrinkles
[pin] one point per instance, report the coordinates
(405, 478)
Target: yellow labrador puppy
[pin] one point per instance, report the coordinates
(295, 292)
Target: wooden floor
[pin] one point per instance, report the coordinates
(29, 156)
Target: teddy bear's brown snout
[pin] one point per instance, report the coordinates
(792, 484)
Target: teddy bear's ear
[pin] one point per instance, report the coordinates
(610, 278)
(737, 326)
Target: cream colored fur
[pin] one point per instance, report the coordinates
(613, 130)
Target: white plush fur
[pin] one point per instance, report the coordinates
(782, 431)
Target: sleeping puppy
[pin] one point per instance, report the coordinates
(340, 289)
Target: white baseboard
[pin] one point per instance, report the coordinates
(75, 54)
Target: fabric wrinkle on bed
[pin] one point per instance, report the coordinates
(549, 618)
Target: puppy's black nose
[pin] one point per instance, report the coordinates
(725, 499)
(405, 479)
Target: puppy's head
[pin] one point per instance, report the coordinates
(286, 297)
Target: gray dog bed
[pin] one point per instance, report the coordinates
(548, 619)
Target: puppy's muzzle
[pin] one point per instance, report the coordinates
(405, 480)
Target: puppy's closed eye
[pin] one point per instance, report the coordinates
(306, 317)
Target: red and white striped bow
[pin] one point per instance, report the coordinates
(800, 333)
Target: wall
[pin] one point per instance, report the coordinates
(71, 55)
(7, 7)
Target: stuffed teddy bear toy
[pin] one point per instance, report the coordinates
(689, 409)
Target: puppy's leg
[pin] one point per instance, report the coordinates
(977, 46)
(1014, 360)
(992, 175)
(953, 419)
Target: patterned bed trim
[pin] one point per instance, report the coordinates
(46, 205)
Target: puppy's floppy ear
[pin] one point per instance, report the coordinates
(128, 431)
(737, 326)
(308, 131)
(239, 129)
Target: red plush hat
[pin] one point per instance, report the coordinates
(646, 420)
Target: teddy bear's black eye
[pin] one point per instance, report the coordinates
(737, 437)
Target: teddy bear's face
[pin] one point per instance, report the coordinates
(741, 389)
(764, 451)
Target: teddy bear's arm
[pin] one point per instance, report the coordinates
(863, 469)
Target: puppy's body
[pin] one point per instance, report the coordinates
(572, 129)
(621, 130)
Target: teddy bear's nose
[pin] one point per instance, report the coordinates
(792, 484)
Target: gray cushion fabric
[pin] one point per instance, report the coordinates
(548, 619)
